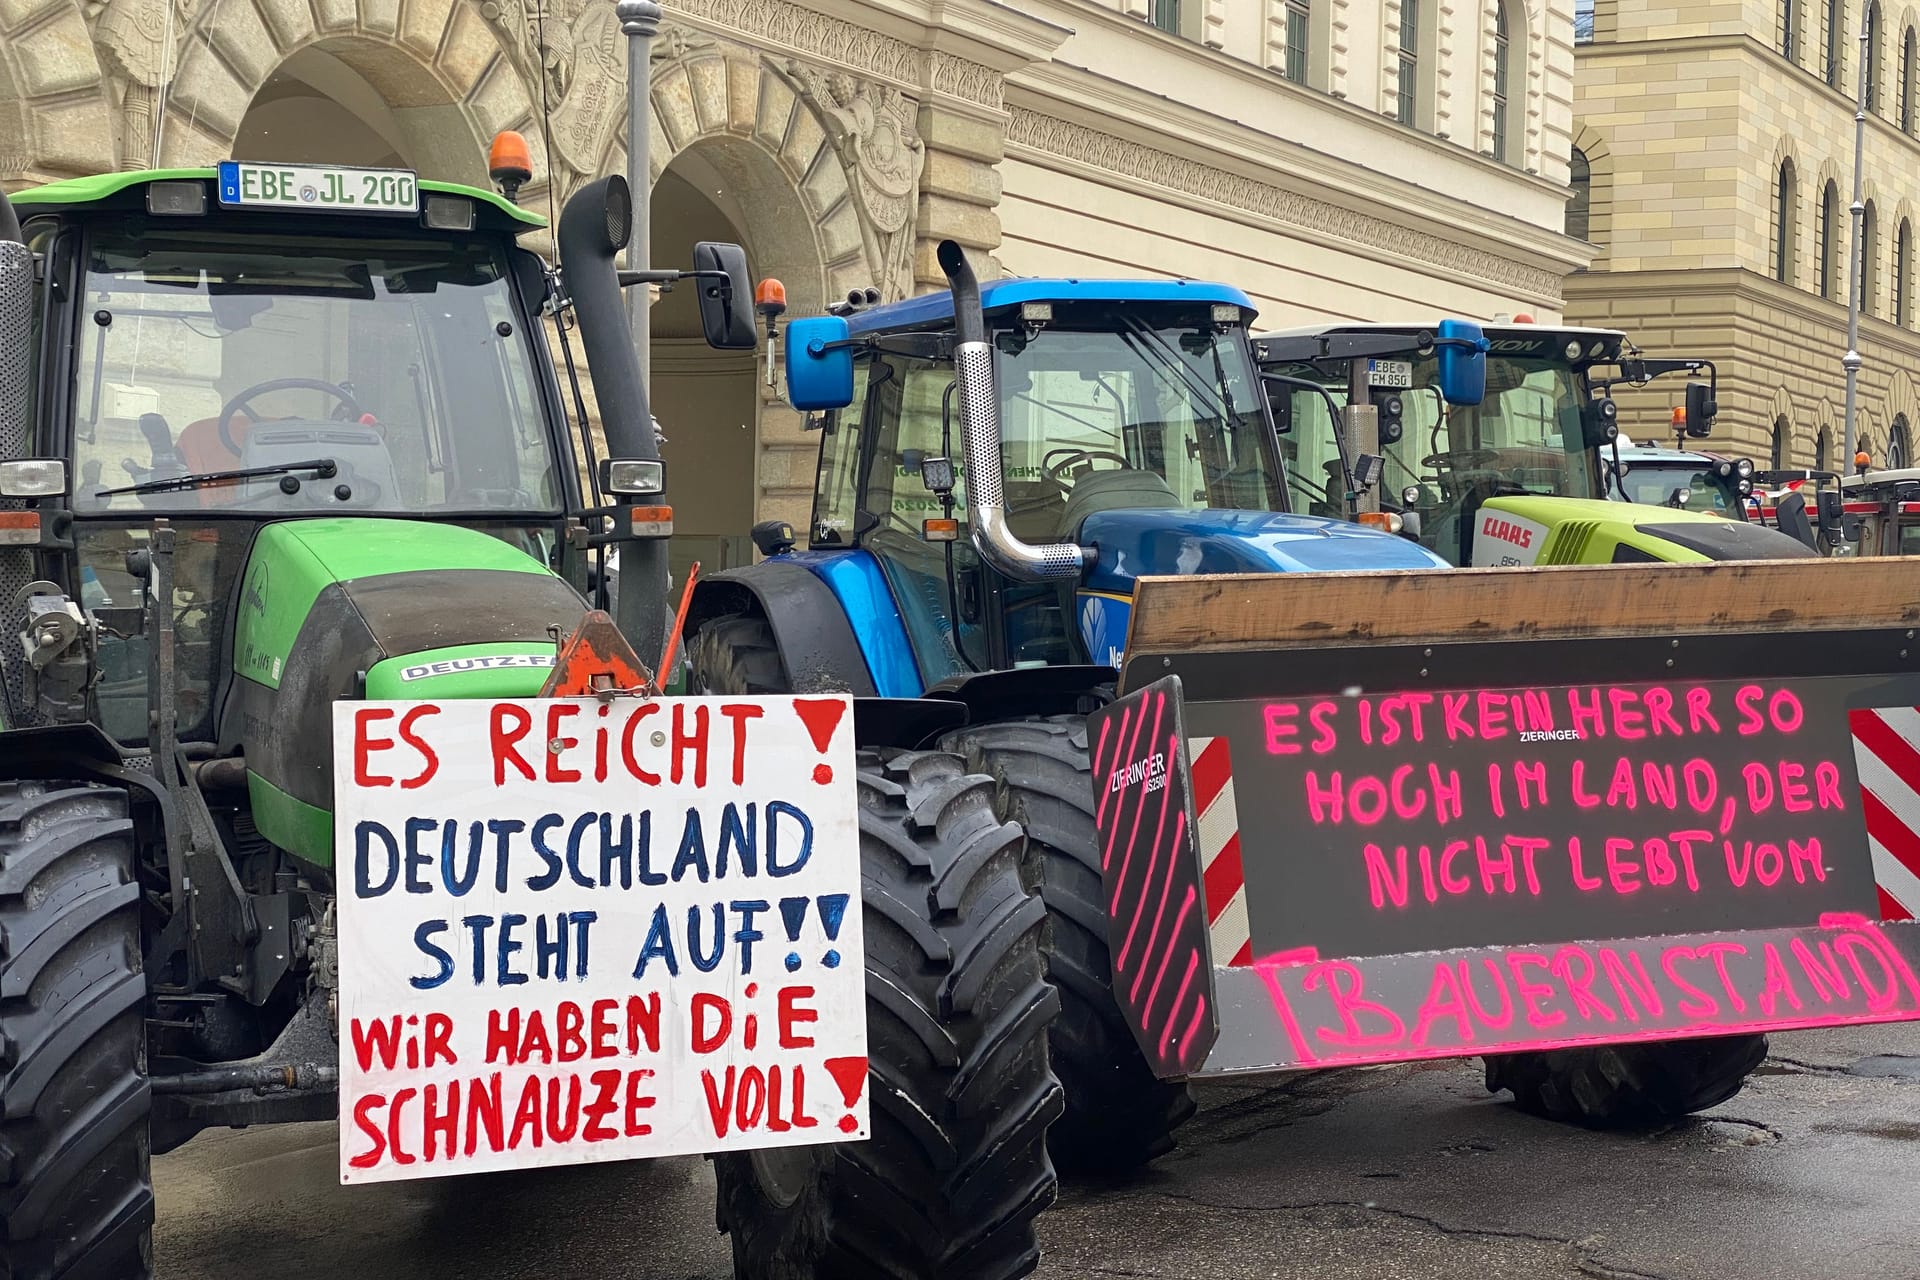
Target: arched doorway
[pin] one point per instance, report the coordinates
(354, 101)
(735, 453)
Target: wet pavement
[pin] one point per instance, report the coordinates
(1811, 1172)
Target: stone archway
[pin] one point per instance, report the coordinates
(432, 71)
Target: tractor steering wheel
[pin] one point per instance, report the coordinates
(1056, 471)
(243, 401)
(1461, 459)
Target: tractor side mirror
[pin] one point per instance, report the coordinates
(1790, 515)
(1836, 526)
(1280, 401)
(1701, 409)
(1599, 423)
(1462, 374)
(726, 305)
(819, 363)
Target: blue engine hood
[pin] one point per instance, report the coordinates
(1134, 544)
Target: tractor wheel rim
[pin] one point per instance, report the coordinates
(783, 1173)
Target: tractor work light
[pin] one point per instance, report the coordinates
(1723, 469)
(448, 213)
(1574, 349)
(33, 478)
(1226, 313)
(1036, 312)
(1744, 467)
(633, 476)
(1410, 496)
(176, 199)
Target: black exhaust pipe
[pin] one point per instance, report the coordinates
(594, 228)
(980, 436)
(9, 221)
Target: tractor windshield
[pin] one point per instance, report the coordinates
(1136, 415)
(1523, 438)
(400, 361)
(1673, 484)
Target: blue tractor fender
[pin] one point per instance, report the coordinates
(833, 619)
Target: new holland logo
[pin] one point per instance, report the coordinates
(1504, 531)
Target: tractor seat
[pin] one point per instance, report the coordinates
(202, 449)
(1114, 491)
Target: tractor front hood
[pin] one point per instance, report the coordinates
(1131, 544)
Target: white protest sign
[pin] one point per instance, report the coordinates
(577, 931)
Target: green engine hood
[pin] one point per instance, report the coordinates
(1541, 531)
(354, 608)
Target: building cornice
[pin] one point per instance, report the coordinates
(1336, 204)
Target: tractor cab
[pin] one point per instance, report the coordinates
(1685, 479)
(1133, 437)
(1518, 475)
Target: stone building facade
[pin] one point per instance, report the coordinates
(1338, 159)
(1719, 140)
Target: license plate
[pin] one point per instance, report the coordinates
(1390, 373)
(293, 186)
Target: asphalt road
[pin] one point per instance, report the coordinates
(1406, 1172)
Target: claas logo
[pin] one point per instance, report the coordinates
(1506, 532)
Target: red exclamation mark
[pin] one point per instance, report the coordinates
(822, 717)
(851, 1075)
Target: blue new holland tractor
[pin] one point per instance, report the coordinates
(997, 468)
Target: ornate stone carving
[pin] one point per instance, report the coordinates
(1177, 173)
(575, 50)
(970, 81)
(137, 56)
(870, 126)
(815, 34)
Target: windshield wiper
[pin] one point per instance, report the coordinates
(322, 468)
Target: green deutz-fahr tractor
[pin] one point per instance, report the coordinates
(272, 437)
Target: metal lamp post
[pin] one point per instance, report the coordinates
(1851, 360)
(640, 21)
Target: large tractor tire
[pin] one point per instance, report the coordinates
(955, 1169)
(736, 653)
(1622, 1086)
(1119, 1115)
(76, 1196)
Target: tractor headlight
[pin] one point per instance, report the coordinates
(1746, 486)
(1573, 350)
(1723, 469)
(1745, 468)
(1411, 495)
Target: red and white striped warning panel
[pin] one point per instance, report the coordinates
(1224, 883)
(1886, 747)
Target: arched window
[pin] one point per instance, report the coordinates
(1790, 29)
(1902, 273)
(1406, 86)
(1778, 454)
(1502, 77)
(1783, 228)
(1820, 450)
(1869, 259)
(1829, 247)
(1906, 82)
(1836, 40)
(1899, 446)
(1872, 70)
(1579, 208)
(1299, 27)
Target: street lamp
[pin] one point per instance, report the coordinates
(640, 21)
(1851, 360)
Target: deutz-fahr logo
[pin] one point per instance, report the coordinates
(257, 590)
(1503, 531)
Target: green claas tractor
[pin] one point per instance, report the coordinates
(1520, 476)
(273, 437)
